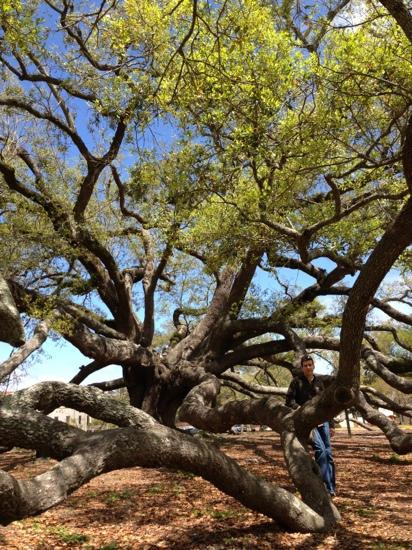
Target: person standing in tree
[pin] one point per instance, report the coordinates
(302, 388)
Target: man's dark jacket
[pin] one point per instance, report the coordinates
(301, 390)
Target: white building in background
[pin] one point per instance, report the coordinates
(70, 416)
(354, 421)
(389, 414)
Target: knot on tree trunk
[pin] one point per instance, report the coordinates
(343, 395)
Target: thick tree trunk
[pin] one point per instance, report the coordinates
(393, 242)
(146, 443)
(306, 476)
(266, 411)
(137, 380)
(11, 328)
(157, 447)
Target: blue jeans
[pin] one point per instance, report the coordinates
(323, 455)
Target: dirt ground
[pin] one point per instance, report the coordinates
(149, 509)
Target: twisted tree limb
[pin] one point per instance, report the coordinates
(39, 337)
(400, 441)
(144, 443)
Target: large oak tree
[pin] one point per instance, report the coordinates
(157, 158)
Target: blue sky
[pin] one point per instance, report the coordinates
(59, 360)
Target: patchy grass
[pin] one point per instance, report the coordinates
(216, 514)
(155, 489)
(114, 496)
(396, 459)
(67, 536)
(389, 546)
(393, 458)
(365, 512)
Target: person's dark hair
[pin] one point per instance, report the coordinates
(306, 358)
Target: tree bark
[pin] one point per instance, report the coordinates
(11, 328)
(39, 337)
(392, 244)
(146, 443)
(400, 441)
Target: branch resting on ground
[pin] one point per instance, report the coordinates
(144, 443)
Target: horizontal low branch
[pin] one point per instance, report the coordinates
(401, 442)
(159, 446)
(256, 388)
(385, 401)
(47, 396)
(110, 385)
(375, 361)
(86, 455)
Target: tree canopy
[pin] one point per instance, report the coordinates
(158, 161)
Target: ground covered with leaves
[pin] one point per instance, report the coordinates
(146, 509)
